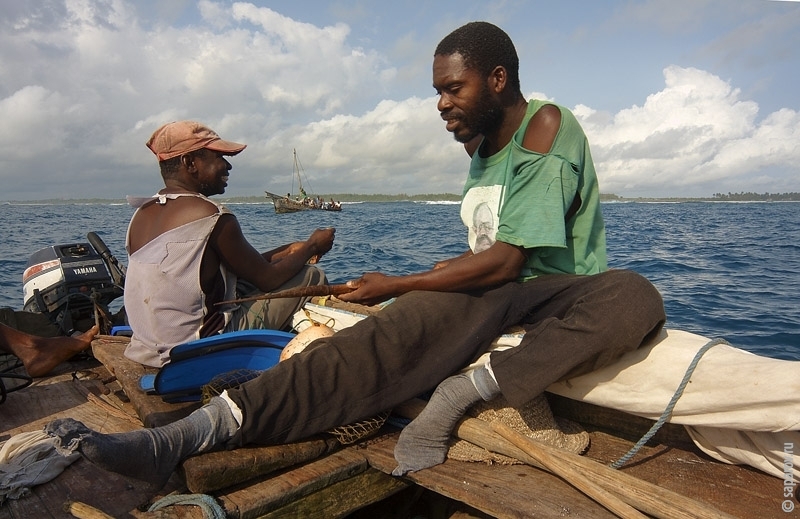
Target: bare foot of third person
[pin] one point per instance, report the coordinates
(40, 355)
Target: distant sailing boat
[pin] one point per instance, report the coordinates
(301, 202)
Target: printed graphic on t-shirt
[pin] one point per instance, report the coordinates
(480, 211)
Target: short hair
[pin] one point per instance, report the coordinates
(169, 167)
(483, 46)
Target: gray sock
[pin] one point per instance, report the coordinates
(149, 454)
(424, 442)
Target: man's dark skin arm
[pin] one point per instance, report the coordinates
(500, 263)
(266, 271)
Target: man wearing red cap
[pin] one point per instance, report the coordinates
(187, 253)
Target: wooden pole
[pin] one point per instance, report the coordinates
(646, 497)
(568, 473)
(310, 291)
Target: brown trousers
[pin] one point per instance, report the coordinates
(574, 324)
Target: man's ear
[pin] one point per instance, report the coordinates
(498, 79)
(187, 160)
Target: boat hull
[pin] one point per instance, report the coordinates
(318, 477)
(287, 205)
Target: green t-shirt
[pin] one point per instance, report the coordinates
(526, 199)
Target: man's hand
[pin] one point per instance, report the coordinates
(312, 249)
(370, 289)
(320, 241)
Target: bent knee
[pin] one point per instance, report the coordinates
(635, 293)
(313, 276)
(633, 283)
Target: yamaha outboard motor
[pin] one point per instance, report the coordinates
(73, 284)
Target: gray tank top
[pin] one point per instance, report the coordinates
(164, 301)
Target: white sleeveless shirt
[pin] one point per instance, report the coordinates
(164, 301)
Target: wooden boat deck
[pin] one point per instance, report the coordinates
(319, 478)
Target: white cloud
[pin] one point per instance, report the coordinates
(28, 128)
(96, 84)
(690, 135)
(398, 147)
(83, 83)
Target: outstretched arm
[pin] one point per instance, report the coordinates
(270, 270)
(444, 263)
(498, 264)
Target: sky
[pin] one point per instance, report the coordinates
(677, 97)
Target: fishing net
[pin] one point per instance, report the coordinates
(352, 433)
(345, 434)
(227, 380)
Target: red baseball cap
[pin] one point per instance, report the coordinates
(176, 138)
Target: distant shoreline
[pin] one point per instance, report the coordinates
(441, 197)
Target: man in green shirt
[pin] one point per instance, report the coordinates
(537, 259)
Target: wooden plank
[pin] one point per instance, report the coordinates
(152, 410)
(512, 491)
(736, 490)
(343, 497)
(49, 398)
(306, 488)
(222, 469)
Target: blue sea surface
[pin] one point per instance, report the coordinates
(725, 270)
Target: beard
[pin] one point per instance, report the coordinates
(209, 189)
(485, 117)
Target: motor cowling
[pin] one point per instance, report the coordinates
(66, 282)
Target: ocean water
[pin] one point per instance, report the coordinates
(725, 270)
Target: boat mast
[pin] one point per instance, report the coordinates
(297, 173)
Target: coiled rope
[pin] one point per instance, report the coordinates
(211, 509)
(670, 406)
